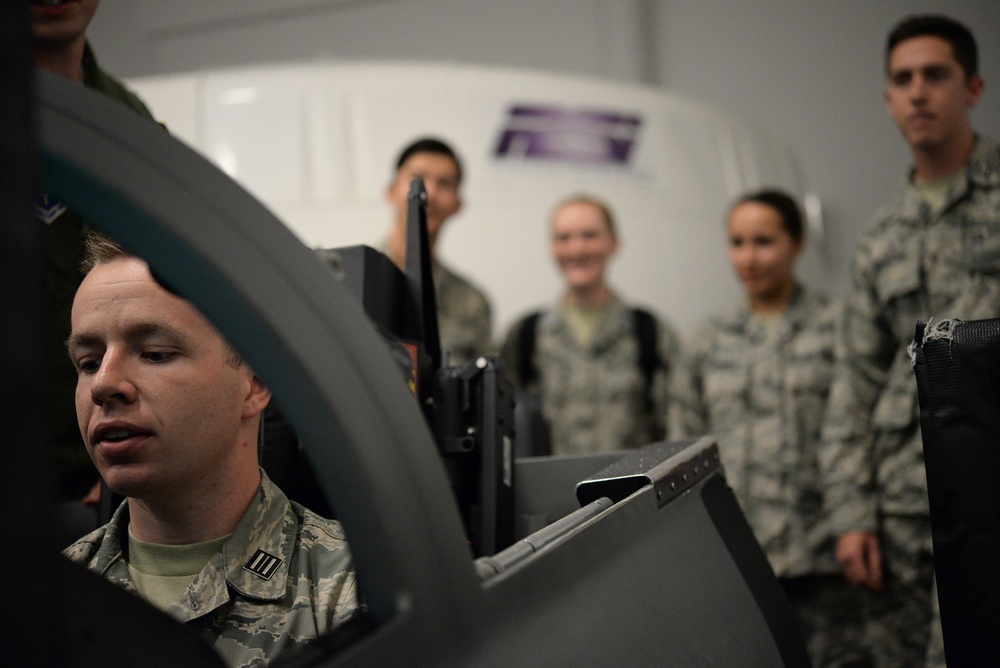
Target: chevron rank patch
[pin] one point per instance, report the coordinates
(262, 564)
(48, 209)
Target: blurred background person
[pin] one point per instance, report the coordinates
(758, 379)
(59, 44)
(464, 314)
(593, 369)
(931, 252)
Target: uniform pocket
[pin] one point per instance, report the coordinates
(899, 278)
(982, 248)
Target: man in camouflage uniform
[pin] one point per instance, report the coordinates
(58, 44)
(934, 252)
(593, 391)
(464, 315)
(169, 414)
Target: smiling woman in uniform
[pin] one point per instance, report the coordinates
(758, 379)
(597, 368)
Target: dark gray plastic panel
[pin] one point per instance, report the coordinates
(639, 583)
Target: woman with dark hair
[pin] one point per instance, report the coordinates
(758, 379)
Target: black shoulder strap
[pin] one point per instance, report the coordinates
(645, 330)
(526, 369)
(649, 352)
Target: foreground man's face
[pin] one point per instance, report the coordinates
(159, 396)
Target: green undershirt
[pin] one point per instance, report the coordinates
(584, 321)
(934, 193)
(161, 573)
(770, 322)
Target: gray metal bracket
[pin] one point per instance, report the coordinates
(670, 467)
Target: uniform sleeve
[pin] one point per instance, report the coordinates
(864, 351)
(327, 571)
(465, 320)
(687, 415)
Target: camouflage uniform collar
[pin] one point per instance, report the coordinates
(614, 304)
(617, 323)
(982, 171)
(110, 550)
(984, 164)
(268, 526)
(794, 317)
(254, 561)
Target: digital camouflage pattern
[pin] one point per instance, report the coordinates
(898, 621)
(282, 578)
(594, 397)
(912, 264)
(464, 317)
(761, 390)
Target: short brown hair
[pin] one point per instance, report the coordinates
(101, 249)
(431, 145)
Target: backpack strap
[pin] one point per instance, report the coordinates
(649, 352)
(526, 336)
(645, 331)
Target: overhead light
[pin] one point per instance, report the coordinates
(244, 95)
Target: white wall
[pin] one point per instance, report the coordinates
(590, 37)
(810, 72)
(316, 142)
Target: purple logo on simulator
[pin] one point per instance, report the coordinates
(554, 133)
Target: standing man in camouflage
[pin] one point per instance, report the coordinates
(59, 44)
(933, 252)
(464, 314)
(169, 413)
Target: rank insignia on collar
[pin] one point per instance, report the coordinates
(48, 209)
(262, 564)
